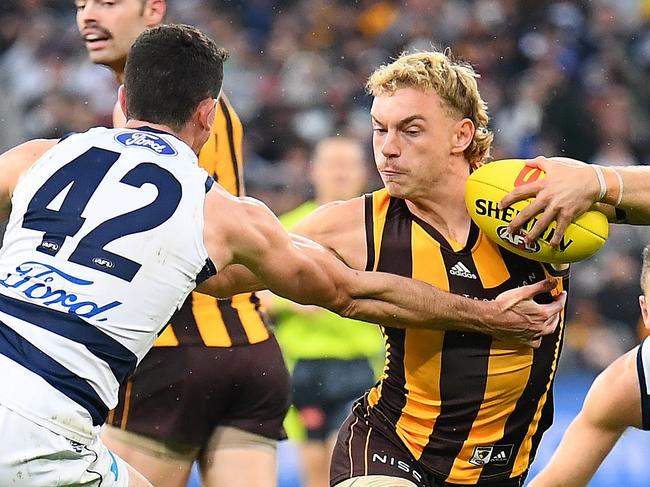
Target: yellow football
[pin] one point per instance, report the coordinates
(491, 182)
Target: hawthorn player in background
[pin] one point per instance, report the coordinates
(166, 418)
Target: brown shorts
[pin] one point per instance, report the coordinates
(362, 449)
(182, 394)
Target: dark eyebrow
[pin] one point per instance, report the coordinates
(410, 119)
(403, 122)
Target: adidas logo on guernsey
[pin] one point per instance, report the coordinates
(461, 270)
(500, 457)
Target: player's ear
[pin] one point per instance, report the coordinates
(121, 98)
(205, 113)
(645, 315)
(154, 12)
(462, 136)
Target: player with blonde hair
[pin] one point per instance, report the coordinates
(455, 82)
(451, 408)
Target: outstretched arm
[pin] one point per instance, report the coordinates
(305, 272)
(612, 404)
(571, 187)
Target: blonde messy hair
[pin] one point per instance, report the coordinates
(455, 83)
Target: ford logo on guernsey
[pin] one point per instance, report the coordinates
(50, 287)
(148, 141)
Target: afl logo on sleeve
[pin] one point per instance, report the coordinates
(146, 140)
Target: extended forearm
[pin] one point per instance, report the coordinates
(233, 279)
(513, 316)
(573, 465)
(635, 199)
(407, 303)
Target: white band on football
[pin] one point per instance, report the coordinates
(620, 187)
(601, 181)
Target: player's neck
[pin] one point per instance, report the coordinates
(443, 207)
(136, 124)
(450, 219)
(186, 134)
(118, 70)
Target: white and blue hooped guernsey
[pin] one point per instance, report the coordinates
(104, 242)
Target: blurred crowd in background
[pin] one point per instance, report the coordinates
(564, 78)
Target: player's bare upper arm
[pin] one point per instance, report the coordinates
(613, 401)
(16, 161)
(239, 229)
(340, 227)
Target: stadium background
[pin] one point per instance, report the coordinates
(560, 77)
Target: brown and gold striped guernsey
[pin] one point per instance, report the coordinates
(467, 407)
(203, 320)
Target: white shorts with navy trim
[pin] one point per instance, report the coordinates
(643, 368)
(34, 456)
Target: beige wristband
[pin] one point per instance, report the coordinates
(620, 187)
(601, 182)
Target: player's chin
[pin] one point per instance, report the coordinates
(101, 56)
(396, 190)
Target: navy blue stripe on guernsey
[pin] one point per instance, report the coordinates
(645, 399)
(65, 136)
(208, 270)
(119, 358)
(209, 182)
(21, 351)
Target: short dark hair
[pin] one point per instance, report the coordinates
(170, 69)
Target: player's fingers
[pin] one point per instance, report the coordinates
(520, 193)
(540, 225)
(535, 342)
(550, 325)
(540, 287)
(563, 223)
(539, 163)
(555, 307)
(526, 214)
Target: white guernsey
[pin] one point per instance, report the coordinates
(82, 294)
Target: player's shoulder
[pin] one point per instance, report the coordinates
(240, 209)
(337, 216)
(30, 150)
(15, 162)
